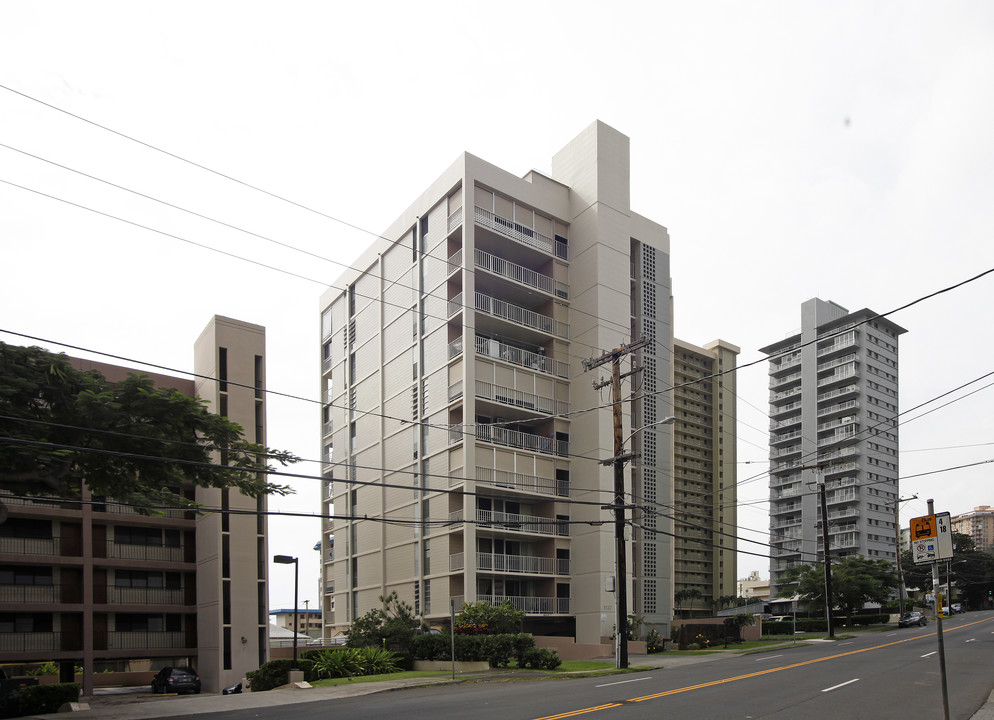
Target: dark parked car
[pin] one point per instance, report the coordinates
(176, 680)
(912, 618)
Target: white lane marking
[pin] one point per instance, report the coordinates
(930, 654)
(846, 643)
(836, 687)
(622, 682)
(768, 657)
(891, 634)
(971, 639)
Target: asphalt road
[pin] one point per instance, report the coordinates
(894, 674)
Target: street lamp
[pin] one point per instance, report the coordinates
(621, 560)
(287, 560)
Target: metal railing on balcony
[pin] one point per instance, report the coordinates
(515, 521)
(847, 390)
(454, 306)
(844, 360)
(785, 437)
(520, 274)
(520, 399)
(840, 374)
(838, 422)
(32, 641)
(454, 220)
(520, 481)
(455, 390)
(529, 605)
(789, 392)
(521, 357)
(840, 407)
(842, 341)
(500, 435)
(789, 422)
(454, 263)
(117, 508)
(525, 564)
(785, 409)
(783, 452)
(516, 231)
(168, 553)
(54, 593)
(145, 595)
(31, 546)
(837, 436)
(776, 382)
(455, 348)
(122, 640)
(518, 315)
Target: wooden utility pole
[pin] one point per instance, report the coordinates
(621, 586)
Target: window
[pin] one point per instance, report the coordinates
(17, 575)
(222, 368)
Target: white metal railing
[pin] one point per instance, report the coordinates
(785, 437)
(454, 305)
(841, 467)
(530, 564)
(782, 452)
(519, 398)
(841, 496)
(516, 521)
(848, 512)
(840, 483)
(789, 522)
(795, 420)
(845, 359)
(500, 435)
(848, 527)
(457, 561)
(455, 348)
(146, 595)
(520, 481)
(530, 605)
(518, 356)
(838, 422)
(774, 396)
(844, 451)
(455, 390)
(122, 640)
(454, 220)
(145, 552)
(794, 534)
(785, 408)
(840, 407)
(520, 274)
(842, 341)
(454, 263)
(519, 315)
(837, 437)
(840, 374)
(781, 509)
(837, 392)
(787, 479)
(778, 381)
(516, 231)
(785, 361)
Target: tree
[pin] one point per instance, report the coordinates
(972, 572)
(855, 581)
(687, 594)
(61, 428)
(390, 627)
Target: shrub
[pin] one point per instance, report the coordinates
(498, 649)
(44, 699)
(539, 659)
(654, 642)
(493, 619)
(49, 668)
(275, 673)
(431, 647)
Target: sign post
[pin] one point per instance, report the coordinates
(932, 541)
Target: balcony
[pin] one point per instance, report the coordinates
(783, 509)
(520, 399)
(523, 564)
(838, 392)
(846, 359)
(535, 524)
(840, 374)
(841, 342)
(516, 314)
(35, 641)
(790, 392)
(111, 506)
(840, 468)
(839, 407)
(784, 452)
(528, 605)
(775, 411)
(838, 436)
(167, 553)
(32, 546)
(145, 596)
(518, 481)
(500, 435)
(788, 422)
(785, 361)
(776, 382)
(520, 233)
(785, 437)
(521, 357)
(520, 274)
(42, 594)
(119, 640)
(454, 220)
(838, 422)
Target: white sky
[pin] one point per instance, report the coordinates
(793, 149)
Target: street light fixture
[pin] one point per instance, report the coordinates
(287, 560)
(621, 624)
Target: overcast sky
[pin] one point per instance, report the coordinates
(794, 149)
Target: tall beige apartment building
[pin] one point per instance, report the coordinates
(704, 473)
(462, 438)
(978, 524)
(97, 585)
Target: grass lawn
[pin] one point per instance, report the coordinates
(584, 666)
(405, 675)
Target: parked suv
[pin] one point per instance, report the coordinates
(912, 618)
(176, 680)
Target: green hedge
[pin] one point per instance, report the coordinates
(498, 650)
(44, 699)
(275, 673)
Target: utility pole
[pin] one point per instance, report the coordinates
(897, 539)
(828, 560)
(621, 586)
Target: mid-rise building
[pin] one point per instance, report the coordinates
(833, 420)
(462, 438)
(704, 472)
(978, 524)
(97, 584)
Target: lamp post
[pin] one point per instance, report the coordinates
(621, 586)
(287, 560)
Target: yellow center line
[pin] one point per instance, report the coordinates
(712, 683)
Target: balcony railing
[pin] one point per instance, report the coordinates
(31, 546)
(523, 358)
(530, 605)
(454, 220)
(519, 481)
(514, 521)
(520, 274)
(455, 348)
(845, 359)
(525, 564)
(790, 392)
(120, 640)
(843, 341)
(785, 437)
(31, 641)
(518, 315)
(517, 231)
(847, 390)
(56, 593)
(840, 374)
(840, 407)
(519, 398)
(841, 467)
(500, 435)
(837, 436)
(776, 382)
(454, 306)
(838, 422)
(117, 508)
(166, 553)
(145, 596)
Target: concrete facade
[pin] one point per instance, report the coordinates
(833, 408)
(978, 524)
(451, 364)
(705, 472)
